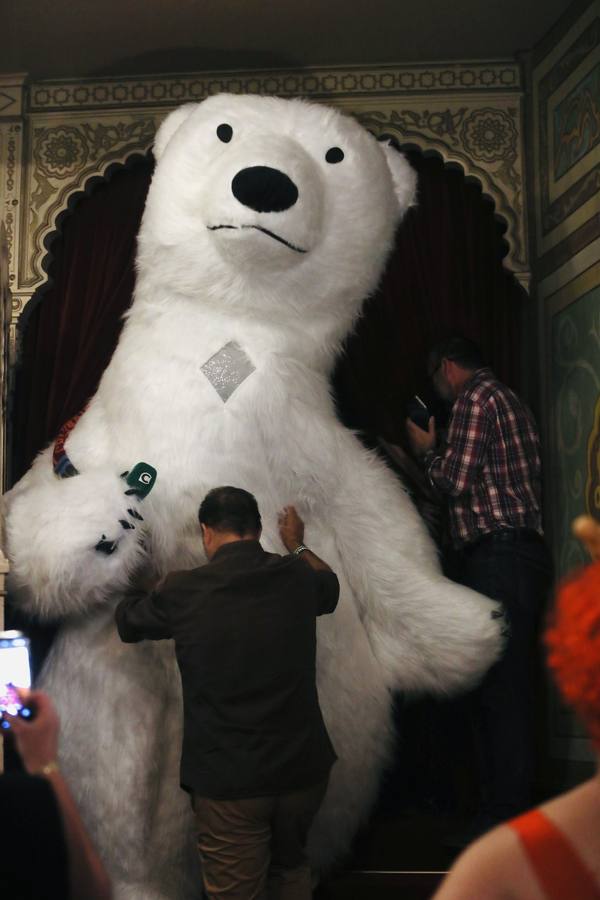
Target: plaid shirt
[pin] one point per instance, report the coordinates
(489, 468)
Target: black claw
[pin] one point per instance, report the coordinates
(104, 546)
(124, 474)
(125, 524)
(132, 491)
(135, 514)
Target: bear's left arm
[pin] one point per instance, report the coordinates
(428, 633)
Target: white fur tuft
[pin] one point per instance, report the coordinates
(404, 176)
(169, 126)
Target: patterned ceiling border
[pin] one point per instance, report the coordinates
(315, 82)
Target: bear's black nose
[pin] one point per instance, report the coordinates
(264, 189)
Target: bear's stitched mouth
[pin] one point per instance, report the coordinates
(266, 231)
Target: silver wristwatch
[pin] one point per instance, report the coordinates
(299, 549)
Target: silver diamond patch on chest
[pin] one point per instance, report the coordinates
(227, 369)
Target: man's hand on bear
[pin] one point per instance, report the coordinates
(291, 528)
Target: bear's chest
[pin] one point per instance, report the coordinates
(215, 408)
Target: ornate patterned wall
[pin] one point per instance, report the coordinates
(566, 148)
(564, 130)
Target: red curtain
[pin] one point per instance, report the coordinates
(74, 326)
(445, 275)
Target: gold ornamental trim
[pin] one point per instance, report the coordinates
(11, 95)
(342, 81)
(485, 142)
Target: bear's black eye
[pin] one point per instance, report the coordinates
(225, 133)
(334, 155)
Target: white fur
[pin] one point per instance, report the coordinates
(399, 623)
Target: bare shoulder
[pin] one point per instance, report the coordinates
(492, 868)
(576, 814)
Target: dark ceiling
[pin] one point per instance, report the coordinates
(62, 38)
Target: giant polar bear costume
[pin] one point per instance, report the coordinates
(267, 224)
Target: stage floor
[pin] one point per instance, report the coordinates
(400, 854)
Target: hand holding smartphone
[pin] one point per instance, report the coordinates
(418, 412)
(15, 672)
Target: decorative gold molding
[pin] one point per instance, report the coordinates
(11, 168)
(64, 156)
(564, 99)
(11, 95)
(485, 141)
(6, 354)
(172, 90)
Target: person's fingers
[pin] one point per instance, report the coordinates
(24, 694)
(411, 431)
(587, 530)
(16, 724)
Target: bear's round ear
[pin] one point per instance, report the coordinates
(403, 175)
(169, 126)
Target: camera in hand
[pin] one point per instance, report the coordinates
(418, 412)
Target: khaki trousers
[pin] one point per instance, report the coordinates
(254, 849)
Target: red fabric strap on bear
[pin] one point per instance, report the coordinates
(559, 870)
(61, 463)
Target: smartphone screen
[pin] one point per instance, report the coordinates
(15, 671)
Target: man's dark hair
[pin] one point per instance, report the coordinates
(460, 350)
(230, 509)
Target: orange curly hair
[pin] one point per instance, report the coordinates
(573, 641)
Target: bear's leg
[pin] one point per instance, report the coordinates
(120, 711)
(357, 708)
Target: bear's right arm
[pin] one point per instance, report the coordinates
(53, 527)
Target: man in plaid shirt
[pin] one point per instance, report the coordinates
(488, 469)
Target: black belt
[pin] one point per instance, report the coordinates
(505, 536)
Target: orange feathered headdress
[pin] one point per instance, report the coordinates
(573, 641)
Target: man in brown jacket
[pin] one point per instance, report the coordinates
(256, 754)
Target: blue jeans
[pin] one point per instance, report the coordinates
(514, 567)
